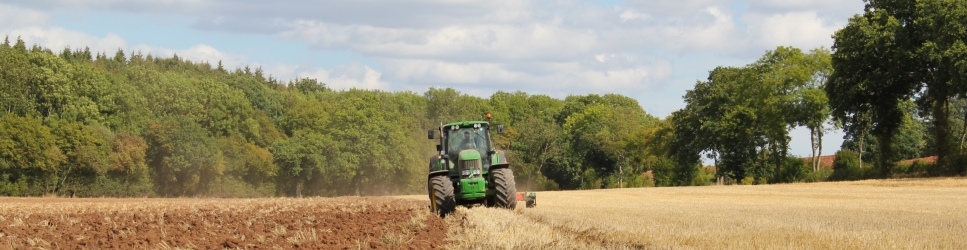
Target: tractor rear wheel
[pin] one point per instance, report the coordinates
(442, 201)
(506, 188)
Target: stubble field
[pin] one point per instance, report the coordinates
(877, 214)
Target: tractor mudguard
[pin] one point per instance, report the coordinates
(499, 160)
(436, 164)
(435, 173)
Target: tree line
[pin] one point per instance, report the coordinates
(139, 125)
(895, 82)
(85, 123)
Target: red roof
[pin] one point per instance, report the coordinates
(928, 159)
(825, 161)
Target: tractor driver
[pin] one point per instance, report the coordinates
(467, 142)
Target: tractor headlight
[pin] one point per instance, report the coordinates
(468, 172)
(470, 168)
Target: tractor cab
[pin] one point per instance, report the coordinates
(468, 145)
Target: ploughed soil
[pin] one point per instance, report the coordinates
(268, 223)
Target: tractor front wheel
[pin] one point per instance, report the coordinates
(442, 201)
(506, 188)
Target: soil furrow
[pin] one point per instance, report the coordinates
(314, 223)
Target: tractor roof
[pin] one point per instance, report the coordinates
(465, 123)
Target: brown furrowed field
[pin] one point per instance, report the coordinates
(880, 214)
(312, 223)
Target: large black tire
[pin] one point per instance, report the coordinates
(506, 188)
(442, 201)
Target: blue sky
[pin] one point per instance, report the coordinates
(652, 51)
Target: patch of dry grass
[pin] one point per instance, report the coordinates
(491, 228)
(874, 214)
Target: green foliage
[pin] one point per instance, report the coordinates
(705, 177)
(302, 159)
(244, 161)
(170, 127)
(231, 187)
(128, 157)
(847, 167)
(133, 125)
(602, 132)
(895, 51)
(747, 181)
(183, 158)
(957, 166)
(29, 156)
(908, 142)
(795, 170)
(86, 151)
(822, 174)
(740, 116)
(914, 169)
(535, 145)
(113, 187)
(664, 172)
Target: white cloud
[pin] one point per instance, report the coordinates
(202, 52)
(34, 27)
(56, 38)
(352, 75)
(798, 29)
(557, 78)
(629, 15)
(468, 43)
(718, 35)
(800, 5)
(431, 71)
(198, 53)
(473, 44)
(349, 76)
(14, 17)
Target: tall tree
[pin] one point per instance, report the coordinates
(939, 33)
(870, 77)
(29, 153)
(302, 158)
(742, 115)
(814, 102)
(86, 153)
(184, 159)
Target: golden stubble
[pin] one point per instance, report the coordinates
(873, 214)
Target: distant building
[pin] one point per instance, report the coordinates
(825, 161)
(928, 159)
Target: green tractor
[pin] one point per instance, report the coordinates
(467, 162)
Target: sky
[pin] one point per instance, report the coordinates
(652, 51)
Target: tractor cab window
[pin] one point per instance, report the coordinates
(467, 138)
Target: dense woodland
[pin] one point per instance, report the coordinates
(137, 125)
(93, 124)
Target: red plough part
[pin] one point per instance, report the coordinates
(529, 198)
